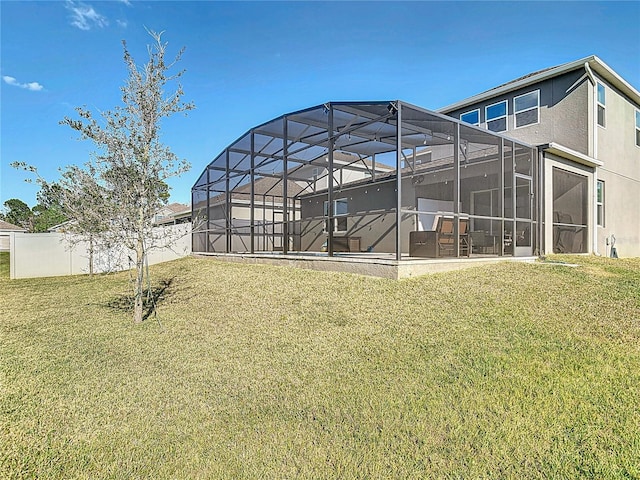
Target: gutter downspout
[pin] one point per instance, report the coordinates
(592, 78)
(594, 203)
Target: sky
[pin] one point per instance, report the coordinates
(249, 62)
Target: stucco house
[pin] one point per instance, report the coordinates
(6, 229)
(172, 214)
(549, 162)
(585, 120)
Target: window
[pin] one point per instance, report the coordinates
(496, 116)
(526, 109)
(638, 128)
(472, 117)
(600, 204)
(601, 105)
(340, 209)
(315, 173)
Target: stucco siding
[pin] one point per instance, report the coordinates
(563, 112)
(621, 216)
(367, 218)
(616, 148)
(616, 145)
(568, 114)
(5, 242)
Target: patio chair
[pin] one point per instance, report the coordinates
(441, 241)
(446, 236)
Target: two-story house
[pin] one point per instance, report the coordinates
(547, 163)
(585, 120)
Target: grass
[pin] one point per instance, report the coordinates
(4, 265)
(260, 372)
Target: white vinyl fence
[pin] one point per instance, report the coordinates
(51, 254)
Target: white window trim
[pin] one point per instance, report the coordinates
(316, 173)
(335, 215)
(603, 105)
(471, 111)
(637, 129)
(506, 116)
(515, 112)
(600, 204)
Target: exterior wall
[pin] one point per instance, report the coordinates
(5, 239)
(569, 118)
(616, 148)
(5, 242)
(371, 210)
(562, 114)
(50, 255)
(368, 219)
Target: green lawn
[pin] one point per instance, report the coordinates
(4, 265)
(504, 371)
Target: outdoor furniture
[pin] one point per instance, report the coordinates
(346, 244)
(441, 241)
(483, 242)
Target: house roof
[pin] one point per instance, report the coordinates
(266, 186)
(566, 152)
(177, 207)
(6, 226)
(593, 62)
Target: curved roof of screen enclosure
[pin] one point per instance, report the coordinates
(285, 157)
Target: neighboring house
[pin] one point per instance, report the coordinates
(60, 228)
(233, 213)
(173, 214)
(6, 229)
(585, 119)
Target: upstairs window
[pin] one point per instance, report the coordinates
(496, 116)
(526, 109)
(638, 128)
(601, 105)
(472, 117)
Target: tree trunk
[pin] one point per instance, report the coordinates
(140, 253)
(91, 256)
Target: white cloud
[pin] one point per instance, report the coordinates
(33, 86)
(122, 23)
(84, 16)
(126, 2)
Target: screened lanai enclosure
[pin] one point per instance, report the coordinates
(374, 179)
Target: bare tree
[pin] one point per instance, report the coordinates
(131, 164)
